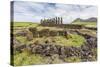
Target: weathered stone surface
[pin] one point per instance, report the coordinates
(16, 42)
(44, 32)
(21, 33)
(34, 31)
(29, 36)
(61, 33)
(53, 33)
(85, 52)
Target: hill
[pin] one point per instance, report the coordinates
(92, 19)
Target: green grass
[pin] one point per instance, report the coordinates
(72, 59)
(87, 24)
(24, 24)
(21, 24)
(25, 58)
(22, 39)
(30, 24)
(70, 40)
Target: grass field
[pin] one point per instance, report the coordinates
(87, 24)
(26, 58)
(21, 25)
(24, 24)
(71, 40)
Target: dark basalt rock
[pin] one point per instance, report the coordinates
(20, 48)
(92, 42)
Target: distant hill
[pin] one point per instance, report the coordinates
(92, 19)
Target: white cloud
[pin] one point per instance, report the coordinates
(33, 12)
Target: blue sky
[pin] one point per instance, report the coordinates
(28, 11)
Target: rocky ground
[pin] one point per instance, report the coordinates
(54, 53)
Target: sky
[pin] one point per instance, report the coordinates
(28, 11)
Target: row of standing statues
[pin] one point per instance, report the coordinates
(51, 21)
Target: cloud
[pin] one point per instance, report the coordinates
(33, 11)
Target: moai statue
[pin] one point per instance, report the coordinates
(50, 22)
(56, 20)
(53, 20)
(61, 20)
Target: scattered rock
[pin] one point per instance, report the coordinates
(21, 33)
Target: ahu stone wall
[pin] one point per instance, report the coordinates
(84, 52)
